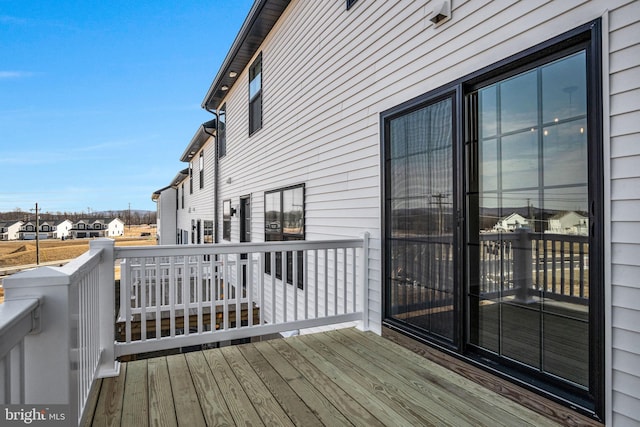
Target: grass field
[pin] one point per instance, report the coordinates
(16, 253)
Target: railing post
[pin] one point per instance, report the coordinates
(365, 281)
(522, 266)
(109, 366)
(47, 353)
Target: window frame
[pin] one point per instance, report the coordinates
(226, 219)
(201, 168)
(191, 177)
(222, 131)
(255, 120)
(282, 236)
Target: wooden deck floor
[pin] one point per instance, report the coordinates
(337, 378)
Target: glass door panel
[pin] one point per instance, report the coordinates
(527, 242)
(421, 219)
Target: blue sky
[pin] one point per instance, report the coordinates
(98, 99)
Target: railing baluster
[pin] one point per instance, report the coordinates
(158, 285)
(335, 281)
(294, 282)
(326, 283)
(274, 318)
(238, 291)
(261, 301)
(249, 288)
(186, 283)
(315, 284)
(199, 283)
(226, 292)
(284, 267)
(344, 280)
(353, 279)
(305, 283)
(143, 299)
(125, 288)
(173, 279)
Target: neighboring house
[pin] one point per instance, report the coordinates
(569, 223)
(167, 205)
(364, 120)
(28, 230)
(97, 227)
(511, 222)
(61, 229)
(10, 230)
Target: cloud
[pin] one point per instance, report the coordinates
(15, 74)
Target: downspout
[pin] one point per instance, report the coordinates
(215, 173)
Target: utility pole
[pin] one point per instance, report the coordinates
(129, 216)
(37, 236)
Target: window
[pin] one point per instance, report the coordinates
(183, 195)
(284, 220)
(222, 131)
(207, 232)
(201, 168)
(190, 177)
(226, 220)
(493, 218)
(255, 95)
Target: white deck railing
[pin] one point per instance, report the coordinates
(16, 321)
(57, 324)
(180, 296)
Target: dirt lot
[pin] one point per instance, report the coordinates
(16, 253)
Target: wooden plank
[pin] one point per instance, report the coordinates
(109, 408)
(184, 392)
(214, 408)
(290, 402)
(504, 388)
(489, 407)
(265, 404)
(314, 399)
(161, 408)
(235, 397)
(92, 402)
(349, 406)
(375, 405)
(135, 408)
(416, 409)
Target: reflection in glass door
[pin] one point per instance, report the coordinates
(527, 240)
(419, 199)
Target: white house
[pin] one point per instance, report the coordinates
(511, 222)
(61, 229)
(390, 117)
(166, 205)
(97, 227)
(569, 223)
(10, 230)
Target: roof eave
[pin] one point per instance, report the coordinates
(261, 18)
(197, 142)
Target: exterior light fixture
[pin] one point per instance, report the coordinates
(232, 74)
(224, 88)
(441, 13)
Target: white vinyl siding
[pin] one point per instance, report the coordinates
(624, 104)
